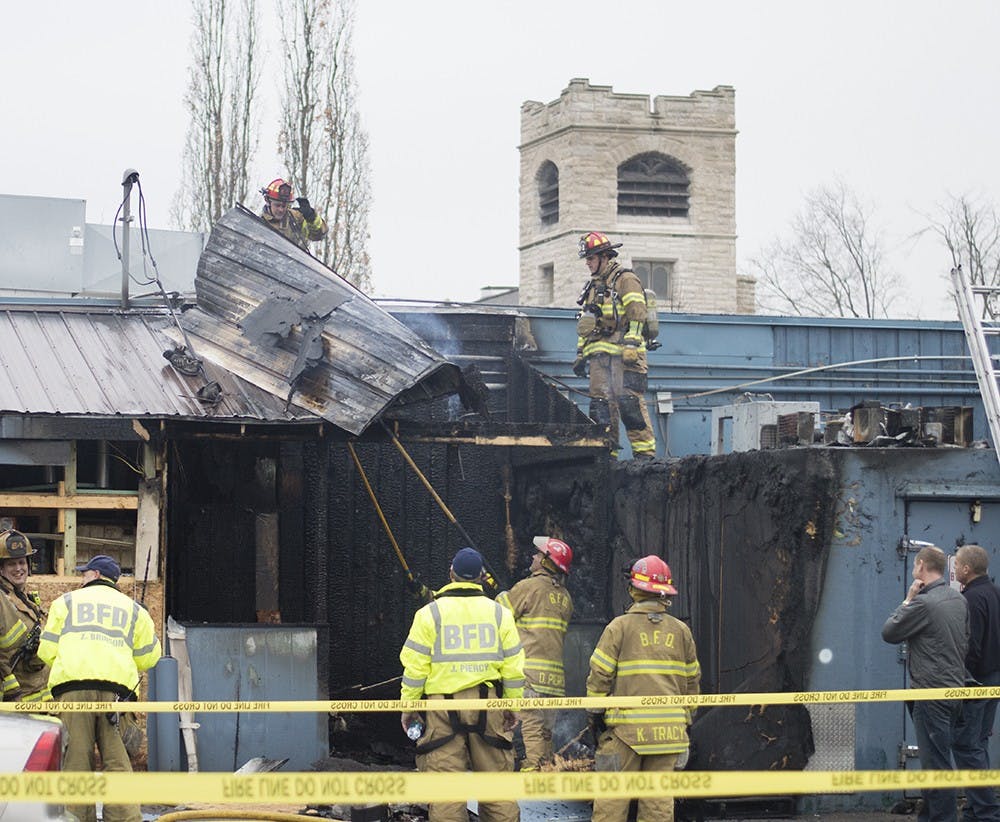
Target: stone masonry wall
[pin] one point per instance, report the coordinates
(588, 132)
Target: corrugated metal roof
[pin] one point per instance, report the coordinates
(85, 359)
(91, 361)
(369, 359)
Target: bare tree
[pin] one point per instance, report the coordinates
(322, 141)
(832, 263)
(970, 229)
(221, 100)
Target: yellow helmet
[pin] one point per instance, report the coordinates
(14, 545)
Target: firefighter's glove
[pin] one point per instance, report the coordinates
(420, 592)
(597, 726)
(580, 366)
(307, 210)
(510, 721)
(630, 354)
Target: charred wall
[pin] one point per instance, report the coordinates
(746, 536)
(336, 563)
(368, 603)
(213, 499)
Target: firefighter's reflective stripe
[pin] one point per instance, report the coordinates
(640, 446)
(657, 666)
(45, 695)
(13, 635)
(551, 623)
(414, 684)
(631, 293)
(602, 347)
(604, 662)
(10, 684)
(295, 227)
(633, 716)
(634, 335)
(543, 664)
(460, 640)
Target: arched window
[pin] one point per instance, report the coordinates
(548, 193)
(653, 185)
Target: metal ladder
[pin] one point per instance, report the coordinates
(975, 334)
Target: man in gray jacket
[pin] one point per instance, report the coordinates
(934, 621)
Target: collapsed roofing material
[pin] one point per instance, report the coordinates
(274, 315)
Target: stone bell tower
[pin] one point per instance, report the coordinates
(658, 177)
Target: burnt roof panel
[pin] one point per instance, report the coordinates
(360, 358)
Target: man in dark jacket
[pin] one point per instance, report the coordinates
(983, 662)
(934, 621)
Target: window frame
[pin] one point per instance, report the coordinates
(653, 184)
(547, 184)
(664, 297)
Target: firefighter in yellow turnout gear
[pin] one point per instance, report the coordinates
(301, 225)
(542, 608)
(610, 345)
(97, 641)
(25, 676)
(464, 645)
(644, 652)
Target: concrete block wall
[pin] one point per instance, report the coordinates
(588, 132)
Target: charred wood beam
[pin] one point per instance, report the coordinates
(500, 434)
(510, 440)
(217, 430)
(18, 427)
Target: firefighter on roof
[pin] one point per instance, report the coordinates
(464, 645)
(610, 342)
(542, 608)
(301, 225)
(644, 652)
(25, 676)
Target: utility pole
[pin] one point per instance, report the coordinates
(129, 176)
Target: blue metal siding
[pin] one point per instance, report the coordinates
(884, 494)
(703, 352)
(257, 663)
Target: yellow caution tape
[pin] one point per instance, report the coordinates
(394, 787)
(553, 703)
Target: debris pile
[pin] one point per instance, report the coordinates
(872, 424)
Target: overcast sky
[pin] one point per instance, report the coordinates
(899, 99)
